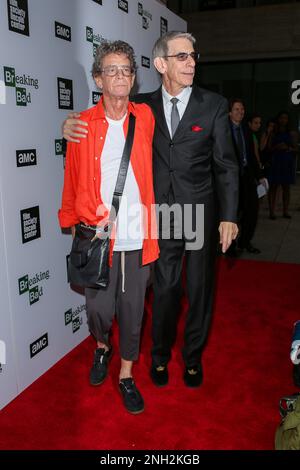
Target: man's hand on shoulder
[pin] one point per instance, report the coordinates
(73, 129)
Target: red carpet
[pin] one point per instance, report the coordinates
(246, 370)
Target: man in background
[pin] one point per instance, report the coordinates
(250, 174)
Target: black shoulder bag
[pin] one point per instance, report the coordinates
(88, 264)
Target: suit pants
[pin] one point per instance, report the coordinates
(248, 208)
(167, 287)
(127, 303)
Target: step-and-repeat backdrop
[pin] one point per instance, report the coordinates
(46, 55)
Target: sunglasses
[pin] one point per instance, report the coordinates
(183, 56)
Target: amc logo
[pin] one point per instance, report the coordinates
(26, 157)
(38, 345)
(145, 62)
(62, 31)
(123, 5)
(163, 26)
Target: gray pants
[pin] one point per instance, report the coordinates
(125, 297)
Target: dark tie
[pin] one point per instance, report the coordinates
(240, 145)
(175, 118)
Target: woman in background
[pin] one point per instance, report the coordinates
(282, 171)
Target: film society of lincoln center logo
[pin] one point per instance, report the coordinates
(73, 317)
(146, 16)
(17, 12)
(30, 224)
(65, 93)
(19, 82)
(33, 285)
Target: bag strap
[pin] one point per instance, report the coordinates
(119, 188)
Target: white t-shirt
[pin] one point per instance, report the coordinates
(129, 233)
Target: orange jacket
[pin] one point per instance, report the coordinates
(81, 193)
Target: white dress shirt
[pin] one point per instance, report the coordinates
(183, 99)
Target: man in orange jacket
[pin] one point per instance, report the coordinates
(90, 177)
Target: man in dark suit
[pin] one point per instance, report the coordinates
(193, 164)
(250, 174)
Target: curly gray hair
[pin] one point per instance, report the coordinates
(161, 47)
(112, 47)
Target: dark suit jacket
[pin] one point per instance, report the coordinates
(200, 160)
(253, 169)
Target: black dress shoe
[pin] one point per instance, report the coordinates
(159, 375)
(132, 399)
(287, 216)
(193, 376)
(251, 249)
(99, 368)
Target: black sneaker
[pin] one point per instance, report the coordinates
(193, 376)
(133, 400)
(99, 368)
(159, 375)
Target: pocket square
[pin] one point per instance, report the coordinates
(197, 128)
